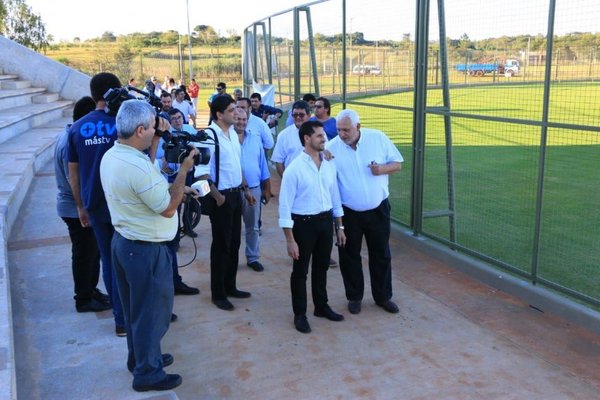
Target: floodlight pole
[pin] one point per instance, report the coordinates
(187, 7)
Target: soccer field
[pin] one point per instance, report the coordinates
(496, 168)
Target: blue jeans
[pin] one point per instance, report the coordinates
(145, 282)
(251, 216)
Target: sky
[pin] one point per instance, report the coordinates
(377, 19)
(66, 19)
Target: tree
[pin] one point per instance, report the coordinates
(108, 36)
(124, 63)
(19, 23)
(206, 33)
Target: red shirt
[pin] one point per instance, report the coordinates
(193, 89)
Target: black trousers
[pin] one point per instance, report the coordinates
(374, 225)
(314, 237)
(226, 226)
(85, 260)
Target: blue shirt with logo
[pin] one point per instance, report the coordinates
(89, 138)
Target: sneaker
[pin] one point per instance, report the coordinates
(120, 331)
(332, 263)
(93, 306)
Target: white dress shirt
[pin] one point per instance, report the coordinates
(360, 190)
(230, 158)
(288, 146)
(308, 190)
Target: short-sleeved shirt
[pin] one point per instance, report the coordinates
(257, 126)
(359, 188)
(89, 138)
(136, 193)
(329, 126)
(287, 147)
(65, 203)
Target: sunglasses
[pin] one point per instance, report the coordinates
(301, 115)
(219, 88)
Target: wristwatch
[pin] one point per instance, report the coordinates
(340, 227)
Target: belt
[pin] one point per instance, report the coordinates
(232, 190)
(302, 217)
(145, 243)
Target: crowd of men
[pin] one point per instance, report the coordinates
(122, 203)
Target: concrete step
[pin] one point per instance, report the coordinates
(9, 99)
(20, 158)
(15, 84)
(8, 77)
(45, 98)
(21, 119)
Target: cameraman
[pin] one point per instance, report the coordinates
(143, 211)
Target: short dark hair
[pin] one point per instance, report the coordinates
(307, 129)
(301, 104)
(256, 96)
(220, 104)
(179, 90)
(309, 97)
(101, 83)
(247, 100)
(326, 103)
(164, 94)
(172, 111)
(222, 84)
(82, 107)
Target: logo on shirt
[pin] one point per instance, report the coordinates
(97, 132)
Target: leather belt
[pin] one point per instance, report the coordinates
(302, 217)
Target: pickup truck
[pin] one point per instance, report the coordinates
(508, 69)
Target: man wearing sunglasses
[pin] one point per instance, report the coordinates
(219, 90)
(288, 144)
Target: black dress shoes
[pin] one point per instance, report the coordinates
(257, 266)
(101, 297)
(184, 289)
(238, 294)
(171, 381)
(93, 306)
(301, 323)
(223, 304)
(167, 359)
(389, 306)
(354, 306)
(327, 312)
(174, 317)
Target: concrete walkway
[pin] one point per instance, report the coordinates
(454, 338)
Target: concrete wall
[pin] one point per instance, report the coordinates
(71, 85)
(42, 71)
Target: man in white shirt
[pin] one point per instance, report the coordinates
(184, 106)
(309, 200)
(143, 211)
(226, 216)
(288, 144)
(364, 159)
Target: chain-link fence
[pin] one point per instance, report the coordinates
(495, 107)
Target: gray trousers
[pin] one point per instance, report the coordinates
(251, 216)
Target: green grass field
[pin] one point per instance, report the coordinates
(496, 168)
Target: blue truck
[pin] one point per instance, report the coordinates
(508, 69)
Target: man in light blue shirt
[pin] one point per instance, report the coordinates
(258, 179)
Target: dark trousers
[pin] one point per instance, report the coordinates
(85, 260)
(314, 238)
(173, 245)
(145, 283)
(374, 225)
(104, 231)
(226, 226)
